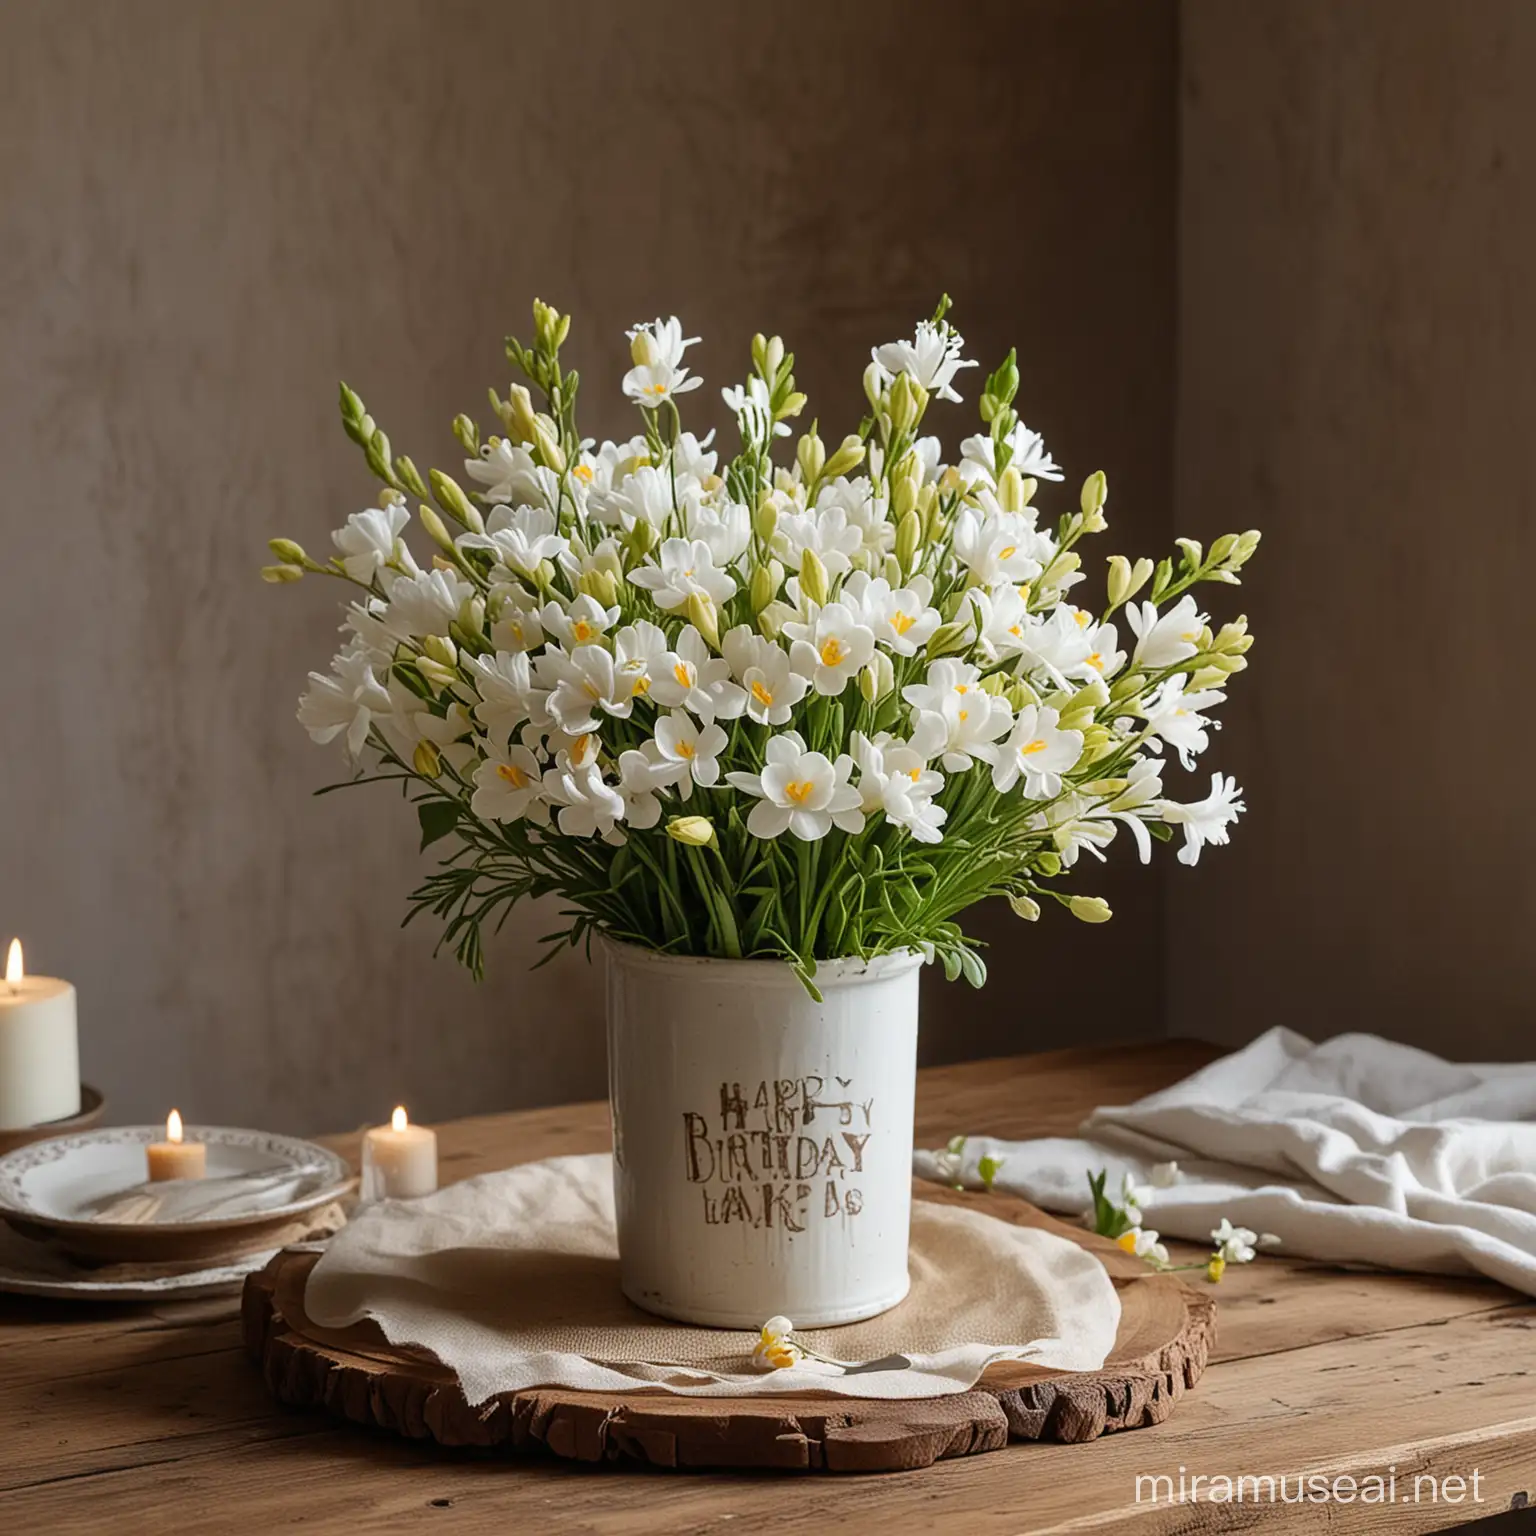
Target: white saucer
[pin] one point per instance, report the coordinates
(53, 1188)
(32, 1269)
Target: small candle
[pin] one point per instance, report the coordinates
(399, 1160)
(39, 1049)
(174, 1158)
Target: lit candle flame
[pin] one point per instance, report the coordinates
(173, 1126)
(14, 970)
(397, 1121)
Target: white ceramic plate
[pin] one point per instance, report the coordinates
(35, 1269)
(59, 1185)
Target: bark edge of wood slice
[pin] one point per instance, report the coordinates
(1167, 1330)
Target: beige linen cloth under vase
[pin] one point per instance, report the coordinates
(512, 1281)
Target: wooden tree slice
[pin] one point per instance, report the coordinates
(1166, 1332)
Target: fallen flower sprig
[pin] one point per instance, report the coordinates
(777, 1348)
(952, 1162)
(1122, 1222)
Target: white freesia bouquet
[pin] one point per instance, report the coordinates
(736, 707)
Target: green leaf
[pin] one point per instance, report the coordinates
(438, 818)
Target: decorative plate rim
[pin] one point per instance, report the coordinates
(295, 1150)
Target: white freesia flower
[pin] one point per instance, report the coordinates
(1162, 641)
(978, 457)
(425, 604)
(691, 751)
(370, 634)
(508, 786)
(587, 806)
(1205, 821)
(862, 509)
(345, 701)
(521, 538)
(725, 527)
(775, 1350)
(997, 546)
(518, 626)
(639, 650)
(1104, 658)
(691, 677)
(368, 541)
(1143, 1243)
(1134, 1196)
(969, 724)
(932, 358)
(584, 686)
(506, 691)
(1235, 1244)
(1056, 644)
(903, 619)
(642, 497)
(752, 407)
(684, 567)
(947, 676)
(1082, 822)
(1038, 750)
(657, 352)
(582, 621)
(830, 649)
(771, 685)
(507, 472)
(800, 792)
(1003, 621)
(1175, 716)
(826, 532)
(639, 780)
(895, 781)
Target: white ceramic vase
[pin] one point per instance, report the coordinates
(762, 1140)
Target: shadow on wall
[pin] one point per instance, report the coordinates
(212, 213)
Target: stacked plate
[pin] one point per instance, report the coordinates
(83, 1221)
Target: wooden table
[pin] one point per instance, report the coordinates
(153, 1420)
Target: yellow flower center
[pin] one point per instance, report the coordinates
(832, 651)
(583, 472)
(581, 631)
(1035, 746)
(762, 695)
(684, 674)
(642, 686)
(685, 749)
(901, 622)
(1192, 635)
(912, 773)
(1008, 552)
(1015, 630)
(655, 389)
(583, 750)
(1082, 616)
(512, 774)
(965, 714)
(962, 687)
(1127, 1240)
(1096, 661)
(799, 791)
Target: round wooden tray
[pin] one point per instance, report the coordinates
(1167, 1329)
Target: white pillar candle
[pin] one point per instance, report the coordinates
(399, 1160)
(175, 1157)
(39, 1049)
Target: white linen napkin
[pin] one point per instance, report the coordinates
(512, 1280)
(1357, 1150)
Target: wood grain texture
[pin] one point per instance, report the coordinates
(1166, 1333)
(211, 212)
(1357, 378)
(115, 1418)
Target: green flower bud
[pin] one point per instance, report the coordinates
(811, 455)
(1090, 909)
(765, 520)
(546, 445)
(600, 586)
(1048, 863)
(1019, 693)
(467, 433)
(692, 831)
(520, 416)
(1010, 490)
(773, 358)
(792, 406)
(909, 534)
(1223, 547)
(847, 458)
(813, 577)
(451, 498)
(435, 672)
(1119, 584)
(472, 615)
(278, 575)
(441, 649)
(704, 618)
(903, 407)
(1207, 677)
(995, 683)
(762, 589)
(288, 552)
(427, 760)
(642, 539)
(1060, 568)
(436, 529)
(1025, 907)
(947, 639)
(1095, 494)
(642, 349)
(872, 386)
